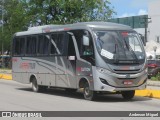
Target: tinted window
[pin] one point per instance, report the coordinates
(57, 43)
(71, 47)
(53, 45)
(43, 44)
(60, 43)
(31, 45)
(84, 50)
(19, 44)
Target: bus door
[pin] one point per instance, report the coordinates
(71, 63)
(65, 60)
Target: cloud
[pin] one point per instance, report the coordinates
(126, 15)
(142, 12)
(141, 3)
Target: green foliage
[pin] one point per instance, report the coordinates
(19, 14)
(14, 20)
(69, 11)
(156, 78)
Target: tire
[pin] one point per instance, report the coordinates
(88, 94)
(128, 95)
(36, 87)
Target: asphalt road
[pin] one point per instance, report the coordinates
(16, 96)
(19, 97)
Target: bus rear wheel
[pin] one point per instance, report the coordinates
(36, 87)
(128, 95)
(88, 94)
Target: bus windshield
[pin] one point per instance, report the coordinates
(120, 46)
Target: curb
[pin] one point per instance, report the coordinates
(148, 93)
(153, 83)
(6, 76)
(144, 93)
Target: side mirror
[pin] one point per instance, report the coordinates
(85, 40)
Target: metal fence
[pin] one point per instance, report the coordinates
(134, 21)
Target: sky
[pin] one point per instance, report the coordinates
(125, 8)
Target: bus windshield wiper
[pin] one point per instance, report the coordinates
(130, 49)
(116, 60)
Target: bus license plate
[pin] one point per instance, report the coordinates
(128, 82)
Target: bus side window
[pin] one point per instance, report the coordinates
(19, 46)
(46, 44)
(31, 45)
(86, 52)
(43, 44)
(71, 47)
(53, 45)
(60, 43)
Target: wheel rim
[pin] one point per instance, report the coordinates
(87, 91)
(34, 85)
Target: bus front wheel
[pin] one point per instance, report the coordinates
(128, 95)
(88, 94)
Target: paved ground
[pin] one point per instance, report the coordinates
(19, 97)
(16, 96)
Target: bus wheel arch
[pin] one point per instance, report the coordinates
(32, 77)
(87, 92)
(82, 82)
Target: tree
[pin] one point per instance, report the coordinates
(14, 20)
(20, 14)
(69, 11)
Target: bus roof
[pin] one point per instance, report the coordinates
(81, 25)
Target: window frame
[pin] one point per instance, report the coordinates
(14, 46)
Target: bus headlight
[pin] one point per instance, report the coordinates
(103, 70)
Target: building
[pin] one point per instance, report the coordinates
(154, 25)
(148, 26)
(150, 21)
(138, 23)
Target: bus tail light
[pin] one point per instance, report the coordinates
(152, 65)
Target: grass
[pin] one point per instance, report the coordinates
(156, 78)
(5, 68)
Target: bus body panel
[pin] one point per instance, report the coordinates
(114, 84)
(46, 71)
(60, 71)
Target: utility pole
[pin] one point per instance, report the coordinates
(145, 26)
(2, 32)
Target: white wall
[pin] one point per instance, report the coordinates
(140, 30)
(154, 26)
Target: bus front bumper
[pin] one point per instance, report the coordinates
(118, 82)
